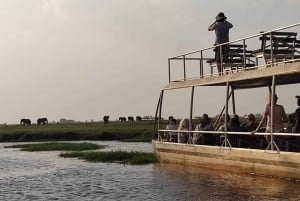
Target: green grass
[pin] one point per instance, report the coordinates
(57, 146)
(134, 158)
(123, 131)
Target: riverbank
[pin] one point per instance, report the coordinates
(123, 131)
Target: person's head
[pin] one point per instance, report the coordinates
(298, 100)
(205, 119)
(184, 124)
(235, 121)
(223, 117)
(275, 98)
(173, 121)
(220, 17)
(250, 117)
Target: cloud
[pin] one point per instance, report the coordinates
(54, 8)
(294, 2)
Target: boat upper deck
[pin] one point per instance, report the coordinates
(278, 54)
(286, 73)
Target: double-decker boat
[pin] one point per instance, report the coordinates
(275, 62)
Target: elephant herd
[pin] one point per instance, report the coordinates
(122, 119)
(44, 121)
(130, 118)
(40, 121)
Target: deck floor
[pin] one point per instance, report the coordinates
(285, 73)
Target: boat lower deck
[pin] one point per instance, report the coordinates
(282, 164)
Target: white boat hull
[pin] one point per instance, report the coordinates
(271, 163)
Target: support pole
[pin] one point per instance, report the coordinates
(191, 116)
(272, 48)
(233, 100)
(222, 111)
(272, 142)
(272, 109)
(221, 60)
(226, 141)
(184, 70)
(157, 119)
(244, 54)
(169, 68)
(201, 64)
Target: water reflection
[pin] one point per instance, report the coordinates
(45, 176)
(203, 184)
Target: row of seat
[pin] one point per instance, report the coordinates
(275, 47)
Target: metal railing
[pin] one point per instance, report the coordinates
(225, 138)
(192, 56)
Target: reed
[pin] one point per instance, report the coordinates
(57, 146)
(134, 158)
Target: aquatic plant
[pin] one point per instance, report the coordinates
(54, 146)
(134, 158)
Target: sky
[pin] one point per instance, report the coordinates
(83, 59)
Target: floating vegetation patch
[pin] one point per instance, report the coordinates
(134, 158)
(56, 146)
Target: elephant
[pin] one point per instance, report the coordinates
(24, 122)
(130, 119)
(122, 119)
(106, 119)
(42, 121)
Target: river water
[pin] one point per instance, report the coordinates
(46, 176)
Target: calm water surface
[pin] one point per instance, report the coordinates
(46, 176)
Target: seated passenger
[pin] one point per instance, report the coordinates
(172, 136)
(296, 129)
(235, 126)
(294, 141)
(205, 125)
(183, 126)
(221, 126)
(291, 123)
(251, 141)
(290, 141)
(251, 123)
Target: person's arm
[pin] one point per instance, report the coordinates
(262, 121)
(284, 116)
(212, 26)
(229, 25)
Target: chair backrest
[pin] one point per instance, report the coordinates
(279, 42)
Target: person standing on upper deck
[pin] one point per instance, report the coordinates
(221, 28)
